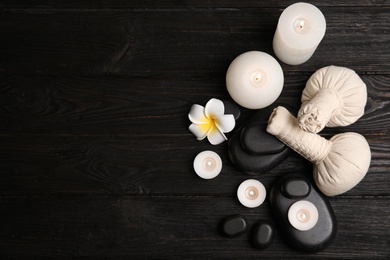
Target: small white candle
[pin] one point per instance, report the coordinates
(254, 79)
(251, 193)
(303, 215)
(300, 30)
(207, 164)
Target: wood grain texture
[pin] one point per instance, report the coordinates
(118, 227)
(143, 165)
(172, 4)
(95, 153)
(84, 105)
(170, 43)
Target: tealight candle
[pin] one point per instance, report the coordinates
(251, 193)
(303, 215)
(207, 164)
(254, 79)
(300, 30)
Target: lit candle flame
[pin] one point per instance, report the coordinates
(302, 24)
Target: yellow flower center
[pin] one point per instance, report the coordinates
(210, 127)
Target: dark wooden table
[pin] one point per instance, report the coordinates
(95, 152)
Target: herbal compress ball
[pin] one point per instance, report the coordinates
(333, 96)
(339, 163)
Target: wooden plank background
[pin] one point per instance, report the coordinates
(95, 152)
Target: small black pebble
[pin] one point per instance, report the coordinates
(262, 234)
(234, 226)
(296, 188)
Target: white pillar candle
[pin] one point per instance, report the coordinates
(254, 79)
(300, 30)
(251, 193)
(303, 215)
(207, 164)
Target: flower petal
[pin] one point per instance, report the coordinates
(200, 131)
(215, 136)
(214, 108)
(225, 123)
(197, 115)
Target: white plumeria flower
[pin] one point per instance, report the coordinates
(211, 121)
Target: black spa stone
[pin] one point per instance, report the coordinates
(324, 231)
(252, 163)
(233, 108)
(252, 149)
(262, 234)
(295, 188)
(234, 225)
(255, 139)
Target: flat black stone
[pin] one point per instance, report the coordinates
(255, 139)
(234, 226)
(253, 164)
(296, 188)
(315, 239)
(262, 234)
(252, 149)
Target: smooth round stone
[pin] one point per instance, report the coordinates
(296, 188)
(262, 234)
(232, 108)
(255, 139)
(321, 234)
(256, 158)
(253, 164)
(234, 225)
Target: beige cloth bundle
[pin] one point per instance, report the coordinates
(339, 163)
(333, 96)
